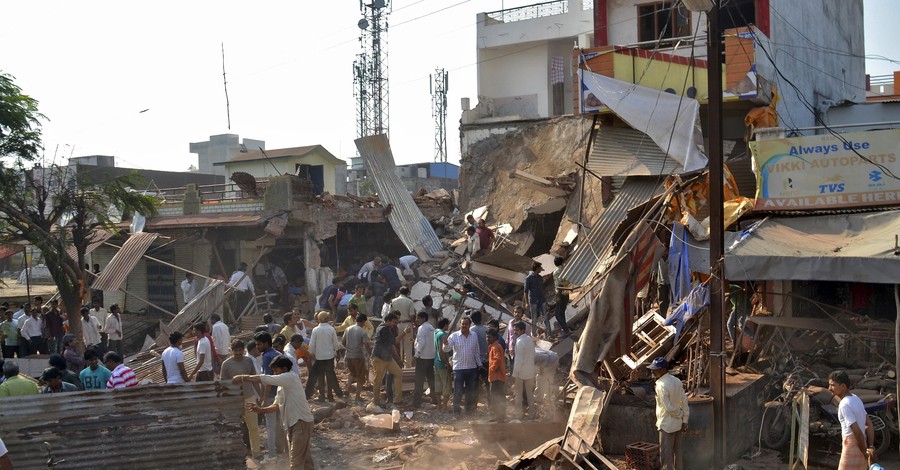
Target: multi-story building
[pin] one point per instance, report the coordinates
(220, 148)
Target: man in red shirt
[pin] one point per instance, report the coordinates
(485, 235)
(496, 376)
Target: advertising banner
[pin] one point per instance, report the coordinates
(827, 172)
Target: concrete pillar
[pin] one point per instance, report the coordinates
(191, 202)
(313, 262)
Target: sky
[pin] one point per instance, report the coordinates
(95, 66)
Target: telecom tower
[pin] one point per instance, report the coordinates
(370, 69)
(438, 85)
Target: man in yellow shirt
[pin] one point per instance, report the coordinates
(352, 312)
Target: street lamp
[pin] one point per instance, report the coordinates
(716, 220)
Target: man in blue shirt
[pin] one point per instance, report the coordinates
(534, 296)
(95, 375)
(389, 274)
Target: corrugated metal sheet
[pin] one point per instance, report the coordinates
(151, 426)
(97, 239)
(596, 246)
(622, 151)
(200, 307)
(405, 217)
(102, 255)
(112, 277)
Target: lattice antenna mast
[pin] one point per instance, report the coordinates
(361, 93)
(439, 85)
(373, 39)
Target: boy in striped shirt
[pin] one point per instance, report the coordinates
(122, 375)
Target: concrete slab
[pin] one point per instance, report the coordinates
(420, 290)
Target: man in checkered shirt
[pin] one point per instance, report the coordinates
(466, 362)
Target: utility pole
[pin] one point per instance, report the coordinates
(716, 228)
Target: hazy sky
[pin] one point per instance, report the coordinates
(95, 65)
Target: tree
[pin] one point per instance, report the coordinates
(50, 207)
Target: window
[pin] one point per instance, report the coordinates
(662, 21)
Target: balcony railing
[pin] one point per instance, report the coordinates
(214, 193)
(529, 12)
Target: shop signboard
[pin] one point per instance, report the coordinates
(857, 169)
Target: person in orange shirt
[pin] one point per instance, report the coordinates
(496, 376)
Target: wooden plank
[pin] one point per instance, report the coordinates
(498, 274)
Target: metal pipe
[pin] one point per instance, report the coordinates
(716, 238)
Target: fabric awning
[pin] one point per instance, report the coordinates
(124, 261)
(846, 247)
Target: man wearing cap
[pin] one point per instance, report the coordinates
(671, 414)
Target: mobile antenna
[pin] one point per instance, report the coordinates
(225, 81)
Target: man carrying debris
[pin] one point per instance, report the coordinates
(466, 363)
(534, 296)
(290, 401)
(856, 427)
(383, 358)
(368, 268)
(524, 370)
(671, 414)
(424, 353)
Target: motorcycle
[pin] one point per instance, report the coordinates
(775, 432)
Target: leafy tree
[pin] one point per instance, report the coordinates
(50, 207)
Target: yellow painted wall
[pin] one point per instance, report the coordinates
(264, 168)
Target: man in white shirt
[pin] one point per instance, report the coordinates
(90, 328)
(113, 328)
(671, 413)
(407, 309)
(290, 400)
(173, 360)
(858, 449)
(100, 314)
(31, 332)
(409, 263)
(323, 346)
(466, 362)
(424, 352)
(220, 335)
(367, 268)
(524, 371)
(243, 287)
(189, 288)
(204, 368)
(518, 314)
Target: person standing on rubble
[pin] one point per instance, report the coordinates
(511, 336)
(323, 346)
(221, 339)
(481, 333)
(407, 318)
(204, 352)
(562, 295)
(441, 365)
(534, 296)
(466, 364)
(671, 414)
(424, 353)
(290, 402)
(243, 288)
(383, 359)
(485, 236)
(473, 244)
(189, 288)
(240, 364)
(113, 328)
(356, 340)
(858, 435)
(173, 360)
(496, 376)
(524, 370)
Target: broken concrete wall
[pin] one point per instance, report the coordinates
(541, 147)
